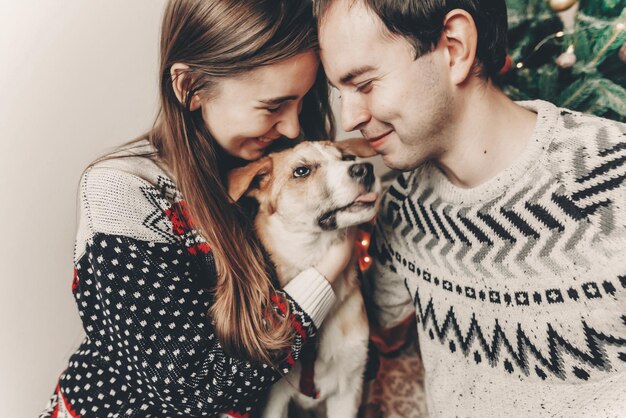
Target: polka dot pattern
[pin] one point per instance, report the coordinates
(150, 348)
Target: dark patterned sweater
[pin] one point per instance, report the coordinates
(142, 283)
(518, 285)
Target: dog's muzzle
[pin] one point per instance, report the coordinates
(363, 173)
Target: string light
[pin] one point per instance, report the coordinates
(363, 243)
(558, 35)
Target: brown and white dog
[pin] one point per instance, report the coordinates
(308, 196)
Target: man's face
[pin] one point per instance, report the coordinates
(401, 104)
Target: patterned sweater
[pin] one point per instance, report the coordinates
(518, 285)
(142, 283)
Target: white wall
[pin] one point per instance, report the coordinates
(76, 78)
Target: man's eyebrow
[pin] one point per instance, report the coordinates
(355, 73)
(278, 100)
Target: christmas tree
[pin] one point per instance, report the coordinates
(581, 67)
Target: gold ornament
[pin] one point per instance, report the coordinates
(560, 5)
(567, 59)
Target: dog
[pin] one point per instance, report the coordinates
(308, 197)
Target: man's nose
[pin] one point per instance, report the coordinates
(354, 113)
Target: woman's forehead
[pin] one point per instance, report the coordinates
(284, 80)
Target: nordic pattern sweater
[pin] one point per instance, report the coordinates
(142, 283)
(518, 285)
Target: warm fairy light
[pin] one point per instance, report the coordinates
(559, 34)
(620, 26)
(519, 65)
(363, 242)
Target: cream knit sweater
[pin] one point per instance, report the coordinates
(519, 284)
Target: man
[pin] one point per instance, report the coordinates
(505, 235)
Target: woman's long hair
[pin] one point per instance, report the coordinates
(219, 39)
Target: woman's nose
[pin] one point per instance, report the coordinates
(289, 125)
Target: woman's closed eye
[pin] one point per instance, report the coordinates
(274, 109)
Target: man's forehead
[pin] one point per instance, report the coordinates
(348, 16)
(348, 35)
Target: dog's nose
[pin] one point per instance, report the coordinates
(363, 172)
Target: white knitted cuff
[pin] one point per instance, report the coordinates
(313, 293)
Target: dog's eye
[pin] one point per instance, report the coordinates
(348, 157)
(301, 171)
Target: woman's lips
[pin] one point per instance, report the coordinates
(264, 142)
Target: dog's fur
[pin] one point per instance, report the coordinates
(299, 218)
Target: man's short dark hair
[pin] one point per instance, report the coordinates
(420, 22)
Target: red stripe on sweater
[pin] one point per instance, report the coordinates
(279, 303)
(75, 281)
(67, 405)
(55, 413)
(234, 414)
(298, 327)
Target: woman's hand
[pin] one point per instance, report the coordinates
(337, 256)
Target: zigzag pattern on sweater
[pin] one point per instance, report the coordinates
(161, 197)
(516, 226)
(520, 348)
(169, 208)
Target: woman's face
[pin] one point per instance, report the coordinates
(245, 114)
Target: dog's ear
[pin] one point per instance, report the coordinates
(356, 146)
(242, 180)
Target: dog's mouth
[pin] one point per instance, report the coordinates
(328, 221)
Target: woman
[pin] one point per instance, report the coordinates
(179, 309)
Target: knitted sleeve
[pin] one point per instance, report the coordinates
(142, 285)
(389, 292)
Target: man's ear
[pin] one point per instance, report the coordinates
(181, 80)
(241, 180)
(356, 146)
(459, 37)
